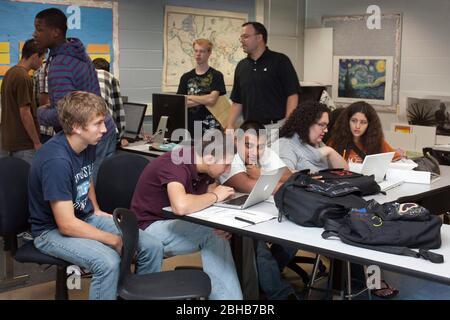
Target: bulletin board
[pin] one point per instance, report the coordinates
(95, 23)
(352, 37)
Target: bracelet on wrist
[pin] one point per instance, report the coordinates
(217, 197)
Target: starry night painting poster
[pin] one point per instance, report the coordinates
(363, 78)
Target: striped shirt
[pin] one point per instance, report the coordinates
(110, 90)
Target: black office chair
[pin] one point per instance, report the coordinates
(294, 266)
(310, 93)
(167, 285)
(116, 180)
(14, 216)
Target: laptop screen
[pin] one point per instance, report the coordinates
(134, 117)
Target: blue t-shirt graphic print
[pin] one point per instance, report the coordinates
(82, 181)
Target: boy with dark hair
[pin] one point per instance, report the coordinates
(69, 69)
(20, 129)
(184, 180)
(66, 220)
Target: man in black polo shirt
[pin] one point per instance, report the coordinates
(265, 85)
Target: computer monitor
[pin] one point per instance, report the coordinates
(134, 117)
(310, 93)
(174, 107)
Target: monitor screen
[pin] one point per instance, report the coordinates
(134, 116)
(174, 107)
(310, 93)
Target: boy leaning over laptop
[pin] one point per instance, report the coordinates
(253, 157)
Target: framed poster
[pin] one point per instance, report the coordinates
(95, 23)
(352, 38)
(367, 78)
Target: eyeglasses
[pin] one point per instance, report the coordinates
(246, 36)
(323, 126)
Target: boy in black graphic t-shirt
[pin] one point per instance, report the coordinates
(203, 85)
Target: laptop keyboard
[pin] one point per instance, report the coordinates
(239, 201)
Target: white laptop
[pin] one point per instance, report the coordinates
(377, 165)
(260, 192)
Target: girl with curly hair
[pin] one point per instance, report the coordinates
(300, 145)
(358, 132)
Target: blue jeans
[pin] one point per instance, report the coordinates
(100, 259)
(182, 237)
(270, 279)
(106, 148)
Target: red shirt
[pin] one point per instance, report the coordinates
(150, 195)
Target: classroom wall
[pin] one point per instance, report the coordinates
(425, 49)
(141, 41)
(285, 23)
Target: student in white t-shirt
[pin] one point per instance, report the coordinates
(253, 157)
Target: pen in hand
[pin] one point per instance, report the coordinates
(244, 220)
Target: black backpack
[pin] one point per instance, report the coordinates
(366, 184)
(391, 228)
(309, 202)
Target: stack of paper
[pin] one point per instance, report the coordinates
(233, 217)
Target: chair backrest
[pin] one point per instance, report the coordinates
(14, 212)
(126, 222)
(117, 179)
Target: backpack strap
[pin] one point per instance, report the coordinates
(357, 150)
(331, 227)
(403, 251)
(433, 257)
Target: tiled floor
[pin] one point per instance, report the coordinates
(46, 291)
(410, 288)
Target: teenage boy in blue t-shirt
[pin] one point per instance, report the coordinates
(66, 220)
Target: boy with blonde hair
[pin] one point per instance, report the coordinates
(66, 220)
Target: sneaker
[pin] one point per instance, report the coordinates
(26, 236)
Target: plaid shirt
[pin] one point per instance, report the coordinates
(110, 91)
(41, 86)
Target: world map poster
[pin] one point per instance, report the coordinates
(183, 25)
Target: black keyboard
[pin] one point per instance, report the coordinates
(239, 201)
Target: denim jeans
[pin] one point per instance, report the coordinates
(100, 259)
(182, 237)
(106, 148)
(270, 279)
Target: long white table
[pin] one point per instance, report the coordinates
(416, 191)
(310, 239)
(142, 148)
